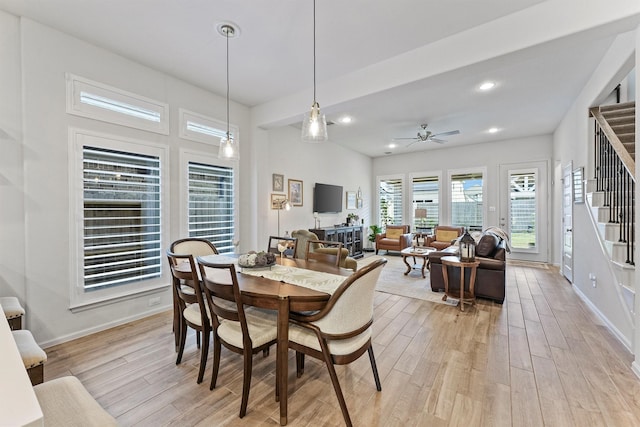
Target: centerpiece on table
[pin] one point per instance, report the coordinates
(253, 259)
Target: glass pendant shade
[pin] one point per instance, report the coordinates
(314, 125)
(228, 148)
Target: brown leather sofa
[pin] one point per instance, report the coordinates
(490, 274)
(395, 238)
(443, 236)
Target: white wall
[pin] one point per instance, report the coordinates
(572, 143)
(325, 163)
(46, 55)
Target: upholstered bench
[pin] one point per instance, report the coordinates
(32, 355)
(65, 402)
(13, 311)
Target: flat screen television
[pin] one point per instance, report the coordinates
(327, 198)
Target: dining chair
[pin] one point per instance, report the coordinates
(324, 251)
(341, 332)
(245, 332)
(291, 244)
(188, 246)
(191, 306)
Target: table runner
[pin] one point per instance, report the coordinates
(317, 280)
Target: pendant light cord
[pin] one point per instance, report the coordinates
(227, 33)
(314, 52)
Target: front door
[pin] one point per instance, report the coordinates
(523, 209)
(567, 222)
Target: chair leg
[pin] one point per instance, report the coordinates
(336, 385)
(246, 383)
(183, 338)
(204, 353)
(299, 363)
(36, 374)
(374, 368)
(265, 352)
(216, 361)
(198, 339)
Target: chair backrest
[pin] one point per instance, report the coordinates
(350, 308)
(303, 237)
(447, 233)
(403, 228)
(186, 283)
(291, 244)
(325, 251)
(194, 246)
(220, 283)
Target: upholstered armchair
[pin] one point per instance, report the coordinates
(304, 236)
(443, 236)
(395, 238)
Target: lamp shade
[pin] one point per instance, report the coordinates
(420, 213)
(228, 148)
(314, 125)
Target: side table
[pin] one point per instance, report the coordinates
(465, 297)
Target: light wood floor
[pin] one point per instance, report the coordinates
(540, 359)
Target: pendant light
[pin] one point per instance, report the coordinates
(228, 147)
(314, 124)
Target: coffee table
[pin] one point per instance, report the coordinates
(417, 252)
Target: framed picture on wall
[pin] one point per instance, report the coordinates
(277, 200)
(351, 199)
(295, 192)
(277, 180)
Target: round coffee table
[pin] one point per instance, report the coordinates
(417, 252)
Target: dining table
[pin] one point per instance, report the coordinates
(291, 285)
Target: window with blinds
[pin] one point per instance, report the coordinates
(426, 202)
(390, 202)
(211, 205)
(121, 207)
(466, 200)
(522, 210)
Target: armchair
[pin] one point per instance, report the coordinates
(443, 236)
(304, 236)
(395, 238)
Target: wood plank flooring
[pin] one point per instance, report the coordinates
(541, 359)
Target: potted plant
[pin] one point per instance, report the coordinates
(352, 218)
(374, 231)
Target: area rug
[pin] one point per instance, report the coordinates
(393, 281)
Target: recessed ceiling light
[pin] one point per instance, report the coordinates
(493, 130)
(487, 86)
(345, 119)
(392, 145)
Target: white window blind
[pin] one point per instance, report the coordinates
(390, 197)
(466, 200)
(122, 232)
(426, 197)
(523, 206)
(211, 204)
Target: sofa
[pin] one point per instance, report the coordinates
(395, 238)
(304, 236)
(490, 274)
(443, 236)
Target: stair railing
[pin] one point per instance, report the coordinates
(614, 173)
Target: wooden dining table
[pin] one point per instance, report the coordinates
(283, 297)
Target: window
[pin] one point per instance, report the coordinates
(522, 209)
(390, 201)
(466, 200)
(120, 223)
(98, 101)
(426, 201)
(122, 231)
(211, 204)
(196, 127)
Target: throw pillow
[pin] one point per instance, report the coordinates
(487, 245)
(394, 233)
(446, 235)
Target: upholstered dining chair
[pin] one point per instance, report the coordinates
(341, 332)
(189, 246)
(324, 251)
(240, 331)
(290, 242)
(191, 306)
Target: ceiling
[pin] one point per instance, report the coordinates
(391, 66)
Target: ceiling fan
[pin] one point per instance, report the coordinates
(429, 136)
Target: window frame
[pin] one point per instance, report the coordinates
(450, 173)
(432, 174)
(204, 157)
(82, 299)
(379, 179)
(185, 116)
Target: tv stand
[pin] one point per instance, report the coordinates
(349, 235)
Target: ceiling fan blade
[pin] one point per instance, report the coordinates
(439, 141)
(416, 140)
(451, 132)
(398, 139)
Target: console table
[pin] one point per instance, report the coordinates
(349, 235)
